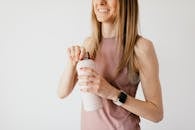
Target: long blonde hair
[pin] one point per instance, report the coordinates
(126, 32)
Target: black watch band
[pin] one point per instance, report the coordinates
(122, 97)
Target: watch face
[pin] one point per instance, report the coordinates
(121, 99)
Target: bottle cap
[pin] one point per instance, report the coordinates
(87, 56)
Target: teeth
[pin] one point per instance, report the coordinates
(103, 10)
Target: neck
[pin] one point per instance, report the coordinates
(108, 30)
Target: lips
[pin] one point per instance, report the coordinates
(103, 10)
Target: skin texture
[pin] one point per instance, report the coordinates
(146, 63)
(105, 12)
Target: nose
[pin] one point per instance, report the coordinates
(102, 2)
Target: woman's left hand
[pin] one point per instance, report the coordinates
(96, 84)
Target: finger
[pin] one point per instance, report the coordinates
(72, 52)
(82, 53)
(89, 70)
(91, 78)
(87, 87)
(77, 53)
(84, 88)
(86, 80)
(85, 84)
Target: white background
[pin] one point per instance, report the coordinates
(34, 35)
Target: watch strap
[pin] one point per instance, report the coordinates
(122, 97)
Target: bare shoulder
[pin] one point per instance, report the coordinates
(144, 46)
(145, 54)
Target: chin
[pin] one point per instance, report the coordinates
(104, 20)
(101, 20)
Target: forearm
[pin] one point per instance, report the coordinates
(147, 65)
(145, 109)
(67, 81)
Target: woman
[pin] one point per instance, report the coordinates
(123, 60)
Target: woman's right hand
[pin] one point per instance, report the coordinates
(75, 54)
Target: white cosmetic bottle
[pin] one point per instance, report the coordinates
(91, 102)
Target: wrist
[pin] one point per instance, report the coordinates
(121, 98)
(114, 95)
(71, 65)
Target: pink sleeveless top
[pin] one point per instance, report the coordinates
(111, 116)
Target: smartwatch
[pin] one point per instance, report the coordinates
(122, 97)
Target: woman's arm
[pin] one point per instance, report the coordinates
(147, 64)
(67, 81)
(148, 67)
(68, 78)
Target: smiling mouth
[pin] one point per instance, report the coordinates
(103, 10)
